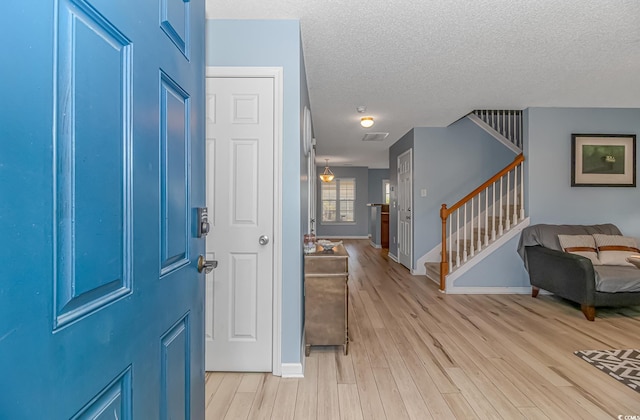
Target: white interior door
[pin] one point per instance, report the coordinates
(405, 222)
(240, 149)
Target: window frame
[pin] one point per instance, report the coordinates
(386, 196)
(337, 201)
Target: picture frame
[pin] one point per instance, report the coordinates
(603, 160)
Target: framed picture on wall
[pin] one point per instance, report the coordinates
(603, 160)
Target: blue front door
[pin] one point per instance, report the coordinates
(101, 171)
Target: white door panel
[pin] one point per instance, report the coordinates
(240, 147)
(405, 222)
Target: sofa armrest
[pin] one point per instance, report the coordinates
(567, 275)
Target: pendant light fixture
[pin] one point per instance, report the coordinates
(327, 175)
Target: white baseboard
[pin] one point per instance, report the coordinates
(420, 270)
(292, 370)
(393, 257)
(295, 370)
(375, 245)
(489, 290)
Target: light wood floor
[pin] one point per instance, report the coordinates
(416, 353)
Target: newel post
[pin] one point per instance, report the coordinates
(444, 261)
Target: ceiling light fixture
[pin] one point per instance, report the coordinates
(327, 175)
(366, 122)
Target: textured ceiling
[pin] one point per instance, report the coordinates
(427, 63)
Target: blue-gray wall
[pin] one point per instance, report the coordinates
(548, 191)
(551, 197)
(503, 268)
(276, 43)
(361, 226)
(375, 184)
(448, 162)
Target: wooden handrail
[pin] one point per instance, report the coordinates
(445, 212)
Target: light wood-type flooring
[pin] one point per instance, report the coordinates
(420, 354)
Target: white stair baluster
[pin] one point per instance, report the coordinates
(493, 213)
(500, 223)
(520, 133)
(507, 221)
(515, 196)
(471, 244)
(522, 191)
(458, 238)
(486, 216)
(464, 235)
(479, 245)
(450, 250)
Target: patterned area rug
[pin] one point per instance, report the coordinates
(623, 365)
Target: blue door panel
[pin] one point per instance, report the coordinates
(174, 135)
(93, 176)
(175, 22)
(175, 371)
(114, 402)
(101, 302)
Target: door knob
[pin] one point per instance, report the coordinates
(264, 239)
(206, 265)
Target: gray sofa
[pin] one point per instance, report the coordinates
(574, 277)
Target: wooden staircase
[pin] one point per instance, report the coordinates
(478, 220)
(484, 233)
(486, 217)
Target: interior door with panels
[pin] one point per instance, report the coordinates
(240, 195)
(405, 224)
(102, 303)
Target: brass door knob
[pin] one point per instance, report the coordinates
(206, 265)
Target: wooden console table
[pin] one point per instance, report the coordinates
(326, 298)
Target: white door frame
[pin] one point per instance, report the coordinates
(276, 74)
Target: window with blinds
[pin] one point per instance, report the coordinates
(338, 200)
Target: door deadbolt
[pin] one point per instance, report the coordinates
(203, 222)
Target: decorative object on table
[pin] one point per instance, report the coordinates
(623, 365)
(603, 160)
(328, 245)
(309, 243)
(327, 175)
